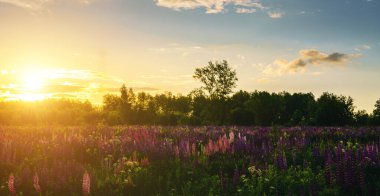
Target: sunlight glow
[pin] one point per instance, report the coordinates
(33, 81)
(31, 97)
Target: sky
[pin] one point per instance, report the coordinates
(87, 48)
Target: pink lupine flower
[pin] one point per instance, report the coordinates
(134, 156)
(176, 151)
(232, 137)
(36, 184)
(86, 183)
(193, 150)
(210, 146)
(11, 184)
(144, 162)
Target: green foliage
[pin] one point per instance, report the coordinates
(265, 107)
(333, 110)
(376, 113)
(361, 118)
(242, 108)
(272, 181)
(218, 79)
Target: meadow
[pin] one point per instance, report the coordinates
(180, 160)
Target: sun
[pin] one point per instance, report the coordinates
(33, 81)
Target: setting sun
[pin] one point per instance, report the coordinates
(33, 81)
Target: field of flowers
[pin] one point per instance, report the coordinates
(103, 160)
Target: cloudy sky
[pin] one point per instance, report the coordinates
(86, 48)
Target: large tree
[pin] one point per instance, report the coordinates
(218, 79)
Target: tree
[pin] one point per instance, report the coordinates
(333, 110)
(126, 103)
(218, 79)
(361, 118)
(297, 108)
(111, 102)
(239, 112)
(376, 113)
(266, 108)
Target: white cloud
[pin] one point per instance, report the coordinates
(264, 80)
(220, 6)
(275, 15)
(366, 46)
(38, 5)
(27, 4)
(177, 49)
(316, 57)
(283, 66)
(245, 10)
(363, 47)
(212, 6)
(317, 73)
(307, 57)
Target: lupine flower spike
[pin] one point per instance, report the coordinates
(11, 184)
(36, 184)
(86, 184)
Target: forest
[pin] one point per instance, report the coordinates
(214, 103)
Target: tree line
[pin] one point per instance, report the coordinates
(243, 108)
(214, 103)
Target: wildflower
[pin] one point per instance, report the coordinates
(232, 137)
(11, 184)
(86, 183)
(144, 162)
(176, 151)
(281, 161)
(254, 171)
(362, 182)
(36, 184)
(193, 150)
(328, 165)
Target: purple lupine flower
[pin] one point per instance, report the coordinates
(239, 145)
(281, 161)
(285, 162)
(348, 170)
(316, 153)
(294, 158)
(328, 165)
(339, 165)
(362, 182)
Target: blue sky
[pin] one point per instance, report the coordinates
(155, 45)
